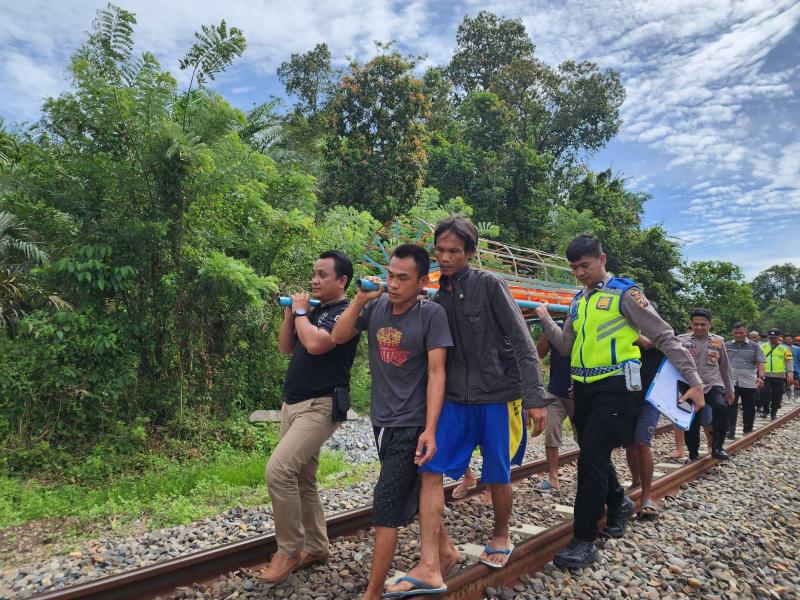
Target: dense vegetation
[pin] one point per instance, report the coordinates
(146, 227)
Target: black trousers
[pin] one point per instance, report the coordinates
(748, 397)
(603, 420)
(772, 394)
(715, 398)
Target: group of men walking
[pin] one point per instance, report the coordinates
(461, 372)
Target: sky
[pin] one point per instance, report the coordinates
(711, 121)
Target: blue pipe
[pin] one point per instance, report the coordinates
(370, 286)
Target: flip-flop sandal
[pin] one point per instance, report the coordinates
(420, 589)
(461, 490)
(545, 486)
(649, 510)
(489, 551)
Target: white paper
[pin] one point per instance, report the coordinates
(663, 394)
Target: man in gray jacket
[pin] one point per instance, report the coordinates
(492, 392)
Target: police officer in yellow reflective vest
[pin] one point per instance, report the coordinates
(600, 333)
(777, 368)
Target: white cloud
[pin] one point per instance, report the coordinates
(45, 33)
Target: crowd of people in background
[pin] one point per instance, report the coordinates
(462, 372)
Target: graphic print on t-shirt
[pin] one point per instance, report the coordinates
(389, 346)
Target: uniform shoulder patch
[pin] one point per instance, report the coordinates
(638, 296)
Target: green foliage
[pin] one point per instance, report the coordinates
(170, 233)
(19, 292)
(778, 282)
(95, 273)
(652, 260)
(309, 77)
(215, 49)
(347, 229)
(375, 157)
(568, 223)
(430, 208)
(64, 383)
(783, 314)
(484, 45)
(720, 287)
(569, 110)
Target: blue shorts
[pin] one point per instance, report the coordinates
(499, 430)
(645, 418)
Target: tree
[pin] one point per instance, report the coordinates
(720, 287)
(619, 210)
(438, 89)
(652, 259)
(160, 219)
(570, 110)
(375, 157)
(309, 77)
(783, 314)
(778, 282)
(484, 45)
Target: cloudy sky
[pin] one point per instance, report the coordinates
(711, 121)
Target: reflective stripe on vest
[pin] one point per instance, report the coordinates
(604, 341)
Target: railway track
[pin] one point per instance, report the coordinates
(161, 579)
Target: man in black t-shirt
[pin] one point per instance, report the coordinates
(317, 367)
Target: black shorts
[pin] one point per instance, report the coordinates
(396, 497)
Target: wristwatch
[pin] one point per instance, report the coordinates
(300, 312)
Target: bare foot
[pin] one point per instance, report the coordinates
(464, 487)
(497, 543)
(425, 575)
(486, 496)
(675, 454)
(448, 560)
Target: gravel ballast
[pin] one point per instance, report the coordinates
(736, 501)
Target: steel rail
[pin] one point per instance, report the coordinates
(207, 565)
(534, 553)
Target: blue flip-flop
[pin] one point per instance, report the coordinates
(544, 486)
(489, 551)
(420, 589)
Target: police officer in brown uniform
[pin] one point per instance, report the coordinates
(711, 358)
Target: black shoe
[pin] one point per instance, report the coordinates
(718, 446)
(618, 520)
(773, 417)
(720, 454)
(745, 432)
(577, 555)
(731, 436)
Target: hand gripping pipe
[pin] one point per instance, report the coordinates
(370, 286)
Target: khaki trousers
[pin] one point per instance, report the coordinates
(292, 476)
